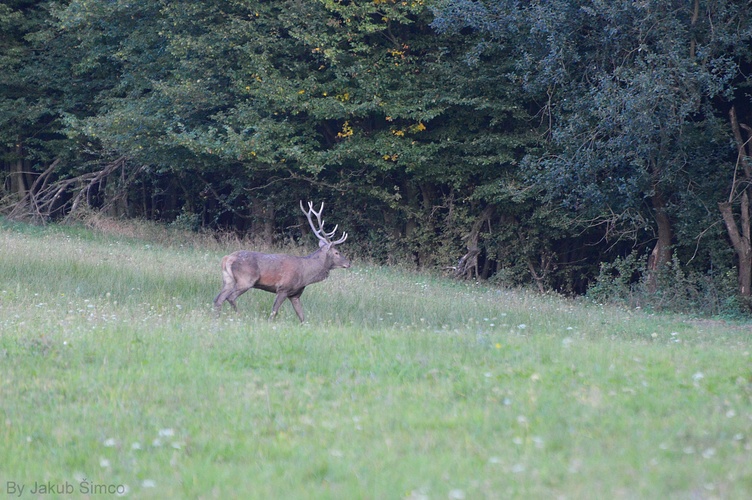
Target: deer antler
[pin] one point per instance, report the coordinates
(324, 237)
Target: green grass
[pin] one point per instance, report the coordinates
(114, 371)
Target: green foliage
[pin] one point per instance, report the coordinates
(550, 135)
(616, 280)
(629, 94)
(31, 97)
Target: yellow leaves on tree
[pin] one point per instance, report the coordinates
(347, 131)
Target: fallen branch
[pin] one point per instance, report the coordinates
(47, 197)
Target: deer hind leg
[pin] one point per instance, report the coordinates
(233, 287)
(228, 283)
(237, 292)
(223, 294)
(240, 286)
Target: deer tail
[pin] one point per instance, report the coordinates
(227, 277)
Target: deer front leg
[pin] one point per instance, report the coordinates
(281, 296)
(298, 307)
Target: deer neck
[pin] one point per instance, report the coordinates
(318, 268)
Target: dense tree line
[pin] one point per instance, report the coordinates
(568, 144)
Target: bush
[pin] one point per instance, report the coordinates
(627, 281)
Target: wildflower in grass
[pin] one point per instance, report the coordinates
(136, 446)
(417, 495)
(148, 483)
(104, 463)
(166, 432)
(110, 442)
(575, 466)
(522, 326)
(457, 494)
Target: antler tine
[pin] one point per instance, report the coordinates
(318, 215)
(323, 236)
(308, 213)
(314, 212)
(341, 240)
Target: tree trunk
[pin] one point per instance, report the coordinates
(263, 221)
(661, 254)
(740, 234)
(269, 222)
(741, 241)
(411, 200)
(468, 263)
(17, 183)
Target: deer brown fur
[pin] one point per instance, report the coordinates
(285, 275)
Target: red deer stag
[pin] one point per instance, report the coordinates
(285, 275)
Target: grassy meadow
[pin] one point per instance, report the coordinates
(116, 378)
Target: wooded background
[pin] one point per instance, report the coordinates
(598, 146)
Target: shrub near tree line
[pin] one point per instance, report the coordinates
(537, 141)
